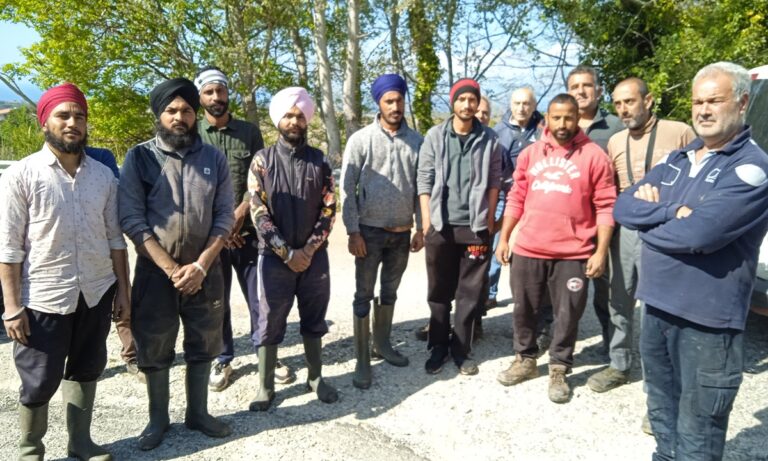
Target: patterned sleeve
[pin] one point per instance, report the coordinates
(327, 212)
(268, 234)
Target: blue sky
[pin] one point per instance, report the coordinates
(16, 36)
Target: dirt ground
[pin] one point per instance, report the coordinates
(406, 414)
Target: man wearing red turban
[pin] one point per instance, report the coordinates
(63, 263)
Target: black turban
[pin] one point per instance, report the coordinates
(164, 93)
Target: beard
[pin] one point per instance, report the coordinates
(217, 109)
(638, 121)
(59, 145)
(293, 138)
(563, 135)
(175, 139)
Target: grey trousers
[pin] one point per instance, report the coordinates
(625, 267)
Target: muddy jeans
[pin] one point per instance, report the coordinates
(693, 374)
(388, 250)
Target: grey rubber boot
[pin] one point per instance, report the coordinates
(78, 405)
(33, 422)
(158, 394)
(362, 376)
(315, 382)
(267, 363)
(382, 328)
(197, 417)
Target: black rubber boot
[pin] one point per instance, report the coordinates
(382, 328)
(33, 422)
(315, 382)
(362, 377)
(267, 363)
(197, 417)
(158, 393)
(78, 405)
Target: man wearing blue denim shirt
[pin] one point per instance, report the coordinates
(379, 204)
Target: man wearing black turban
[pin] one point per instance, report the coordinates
(176, 205)
(164, 93)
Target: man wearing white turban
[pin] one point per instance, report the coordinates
(293, 207)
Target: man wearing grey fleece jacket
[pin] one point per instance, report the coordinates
(378, 205)
(459, 177)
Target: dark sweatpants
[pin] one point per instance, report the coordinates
(244, 262)
(279, 285)
(457, 268)
(156, 307)
(72, 347)
(530, 278)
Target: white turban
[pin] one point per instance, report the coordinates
(285, 99)
(210, 76)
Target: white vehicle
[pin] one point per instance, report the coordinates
(757, 118)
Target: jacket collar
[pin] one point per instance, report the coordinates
(400, 131)
(205, 125)
(736, 143)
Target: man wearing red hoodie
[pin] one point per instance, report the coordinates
(562, 196)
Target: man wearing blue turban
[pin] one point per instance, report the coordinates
(379, 205)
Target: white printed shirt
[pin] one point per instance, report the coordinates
(61, 228)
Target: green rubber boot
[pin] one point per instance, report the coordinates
(382, 327)
(33, 422)
(267, 363)
(315, 382)
(362, 377)
(197, 417)
(158, 394)
(78, 404)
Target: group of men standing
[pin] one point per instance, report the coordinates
(204, 198)
(182, 199)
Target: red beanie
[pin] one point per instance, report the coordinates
(462, 86)
(66, 92)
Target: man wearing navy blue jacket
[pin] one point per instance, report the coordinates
(701, 215)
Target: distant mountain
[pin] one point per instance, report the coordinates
(9, 104)
(6, 95)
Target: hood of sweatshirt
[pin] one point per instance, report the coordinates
(571, 147)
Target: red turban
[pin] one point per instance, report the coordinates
(464, 85)
(66, 92)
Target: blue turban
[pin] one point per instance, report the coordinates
(388, 82)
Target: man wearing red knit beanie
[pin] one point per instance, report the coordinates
(562, 197)
(63, 266)
(458, 181)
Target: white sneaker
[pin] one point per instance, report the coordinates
(220, 374)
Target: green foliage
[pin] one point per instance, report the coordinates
(427, 65)
(116, 51)
(20, 134)
(666, 41)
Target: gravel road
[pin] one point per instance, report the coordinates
(406, 414)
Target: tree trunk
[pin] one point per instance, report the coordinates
(300, 55)
(351, 87)
(324, 79)
(245, 68)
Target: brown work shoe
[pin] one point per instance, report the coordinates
(522, 369)
(559, 391)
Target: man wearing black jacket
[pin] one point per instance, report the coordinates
(293, 208)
